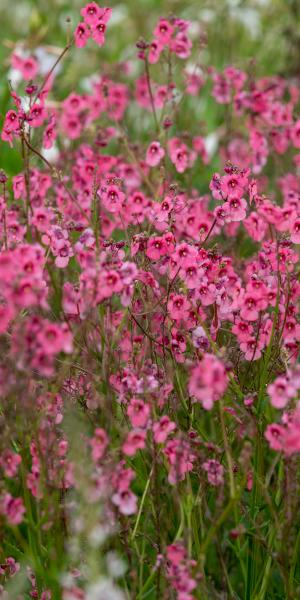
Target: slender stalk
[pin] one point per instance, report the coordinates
(59, 58)
(141, 505)
(151, 94)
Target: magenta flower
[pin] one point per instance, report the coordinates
(155, 50)
(37, 115)
(91, 13)
(81, 35)
(163, 31)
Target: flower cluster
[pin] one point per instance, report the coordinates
(149, 326)
(94, 24)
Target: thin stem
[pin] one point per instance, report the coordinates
(59, 58)
(141, 505)
(151, 94)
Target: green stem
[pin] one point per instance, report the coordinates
(141, 505)
(214, 528)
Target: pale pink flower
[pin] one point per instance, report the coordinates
(136, 440)
(162, 429)
(215, 472)
(126, 501)
(281, 392)
(208, 381)
(138, 412)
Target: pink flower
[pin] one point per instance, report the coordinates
(181, 459)
(11, 121)
(18, 186)
(99, 27)
(235, 208)
(55, 338)
(126, 502)
(242, 330)
(181, 45)
(156, 248)
(206, 293)
(63, 253)
(179, 156)
(138, 412)
(71, 125)
(109, 283)
(12, 508)
(10, 567)
(27, 66)
(255, 226)
(135, 441)
(232, 186)
(50, 133)
(251, 305)
(281, 391)
(81, 34)
(154, 154)
(295, 134)
(295, 230)
(176, 553)
(291, 441)
(190, 274)
(179, 571)
(221, 89)
(215, 472)
(10, 461)
(163, 31)
(178, 307)
(208, 381)
(275, 434)
(252, 347)
(112, 198)
(291, 331)
(98, 32)
(98, 444)
(184, 255)
(155, 50)
(162, 429)
(74, 103)
(37, 115)
(91, 12)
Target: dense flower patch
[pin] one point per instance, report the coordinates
(150, 332)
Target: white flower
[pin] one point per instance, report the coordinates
(104, 589)
(115, 565)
